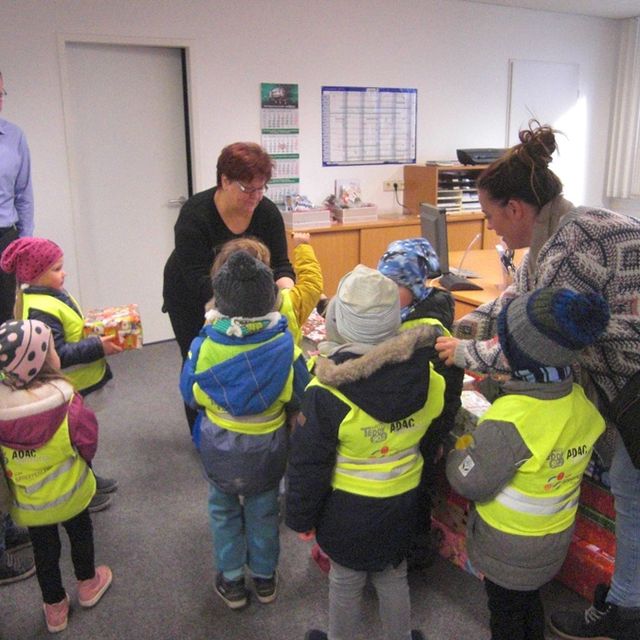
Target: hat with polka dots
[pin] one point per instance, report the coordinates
(29, 258)
(23, 349)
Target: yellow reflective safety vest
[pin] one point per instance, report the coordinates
(82, 376)
(269, 420)
(50, 484)
(382, 459)
(418, 322)
(542, 497)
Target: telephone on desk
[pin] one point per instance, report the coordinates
(452, 282)
(457, 281)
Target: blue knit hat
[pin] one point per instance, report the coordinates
(409, 263)
(548, 327)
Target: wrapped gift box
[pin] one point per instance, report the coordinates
(596, 528)
(586, 566)
(453, 547)
(597, 497)
(122, 322)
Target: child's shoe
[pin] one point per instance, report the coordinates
(266, 588)
(90, 591)
(106, 485)
(57, 615)
(315, 634)
(14, 568)
(17, 538)
(233, 592)
(99, 502)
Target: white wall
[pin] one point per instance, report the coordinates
(455, 53)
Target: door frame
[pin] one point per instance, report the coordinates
(186, 46)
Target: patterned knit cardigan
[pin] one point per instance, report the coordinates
(587, 250)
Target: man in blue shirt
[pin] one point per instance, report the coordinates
(16, 219)
(16, 198)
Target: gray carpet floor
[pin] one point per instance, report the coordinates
(156, 538)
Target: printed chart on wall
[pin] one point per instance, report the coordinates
(368, 125)
(280, 132)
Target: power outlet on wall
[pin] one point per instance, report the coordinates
(387, 185)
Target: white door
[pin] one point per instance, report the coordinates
(129, 150)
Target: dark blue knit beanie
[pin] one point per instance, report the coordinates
(548, 327)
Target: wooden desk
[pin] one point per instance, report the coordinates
(340, 247)
(486, 263)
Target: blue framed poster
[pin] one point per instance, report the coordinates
(368, 125)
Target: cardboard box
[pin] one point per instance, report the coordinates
(123, 322)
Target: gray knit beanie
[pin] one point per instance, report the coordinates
(548, 327)
(244, 287)
(366, 308)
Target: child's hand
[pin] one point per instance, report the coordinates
(109, 346)
(446, 348)
(300, 238)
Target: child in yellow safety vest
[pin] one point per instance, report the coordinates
(355, 463)
(523, 464)
(47, 439)
(297, 302)
(410, 263)
(38, 264)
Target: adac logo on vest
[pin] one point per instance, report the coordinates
(19, 454)
(403, 424)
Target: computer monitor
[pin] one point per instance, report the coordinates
(433, 223)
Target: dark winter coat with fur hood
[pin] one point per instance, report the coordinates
(389, 381)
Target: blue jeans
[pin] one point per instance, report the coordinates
(625, 486)
(245, 532)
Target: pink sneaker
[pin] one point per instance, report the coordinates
(90, 591)
(57, 615)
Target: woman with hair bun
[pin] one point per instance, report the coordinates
(589, 250)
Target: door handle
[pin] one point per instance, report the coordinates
(177, 202)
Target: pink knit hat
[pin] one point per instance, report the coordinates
(29, 258)
(23, 349)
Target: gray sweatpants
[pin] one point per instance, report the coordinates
(345, 595)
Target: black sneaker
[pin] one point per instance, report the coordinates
(266, 588)
(99, 502)
(416, 634)
(601, 620)
(106, 485)
(233, 592)
(315, 634)
(14, 568)
(17, 538)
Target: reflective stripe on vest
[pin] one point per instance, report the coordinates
(418, 322)
(379, 459)
(82, 376)
(514, 499)
(50, 484)
(273, 418)
(404, 459)
(58, 501)
(542, 497)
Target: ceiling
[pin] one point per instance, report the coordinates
(596, 8)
